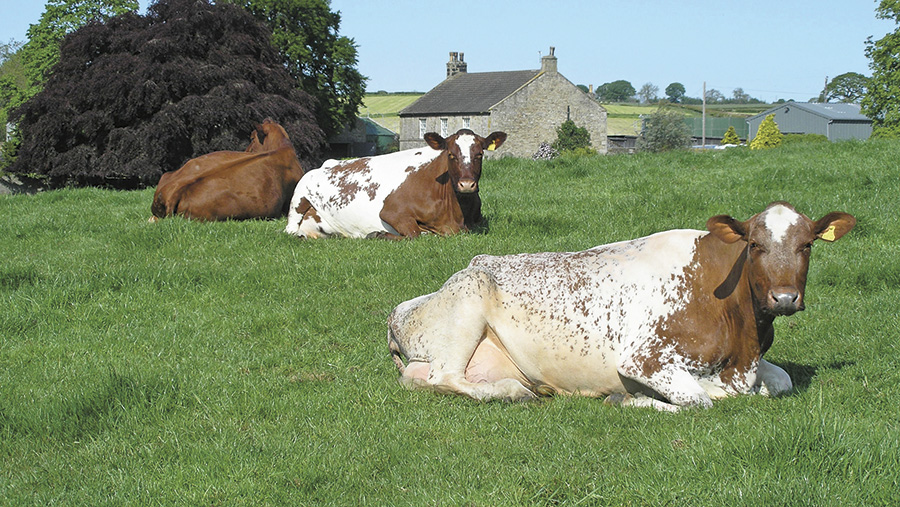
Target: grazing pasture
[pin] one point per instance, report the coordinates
(232, 364)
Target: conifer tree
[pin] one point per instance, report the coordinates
(731, 136)
(768, 135)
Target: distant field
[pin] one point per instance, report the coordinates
(621, 117)
(384, 108)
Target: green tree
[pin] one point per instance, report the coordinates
(848, 87)
(675, 92)
(730, 136)
(617, 91)
(306, 32)
(768, 135)
(881, 101)
(570, 137)
(648, 93)
(664, 130)
(139, 95)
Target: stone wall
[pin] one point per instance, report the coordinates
(532, 115)
(409, 127)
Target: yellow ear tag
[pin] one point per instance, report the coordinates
(828, 235)
(493, 146)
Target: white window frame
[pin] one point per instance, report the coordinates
(445, 127)
(467, 123)
(423, 126)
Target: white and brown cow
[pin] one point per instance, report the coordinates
(674, 319)
(403, 194)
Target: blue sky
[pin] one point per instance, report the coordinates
(772, 49)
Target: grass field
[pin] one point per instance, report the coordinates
(384, 108)
(230, 364)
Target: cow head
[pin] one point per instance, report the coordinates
(779, 241)
(268, 136)
(465, 151)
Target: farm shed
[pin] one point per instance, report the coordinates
(528, 105)
(835, 121)
(365, 139)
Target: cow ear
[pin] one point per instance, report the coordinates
(435, 141)
(726, 228)
(493, 141)
(834, 225)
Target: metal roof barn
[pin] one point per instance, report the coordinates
(837, 122)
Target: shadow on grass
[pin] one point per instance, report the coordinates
(802, 374)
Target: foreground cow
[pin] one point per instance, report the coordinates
(256, 183)
(403, 194)
(681, 316)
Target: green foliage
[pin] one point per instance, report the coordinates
(185, 363)
(768, 135)
(664, 130)
(882, 99)
(848, 87)
(730, 136)
(130, 99)
(571, 137)
(617, 91)
(306, 32)
(675, 92)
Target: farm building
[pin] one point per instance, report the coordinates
(835, 121)
(528, 105)
(365, 139)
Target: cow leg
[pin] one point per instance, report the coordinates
(670, 380)
(439, 334)
(772, 380)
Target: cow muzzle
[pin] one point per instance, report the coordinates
(467, 186)
(785, 301)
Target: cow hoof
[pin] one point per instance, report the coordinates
(616, 399)
(544, 390)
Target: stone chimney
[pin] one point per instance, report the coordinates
(456, 65)
(548, 63)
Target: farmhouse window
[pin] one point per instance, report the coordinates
(467, 123)
(444, 127)
(422, 128)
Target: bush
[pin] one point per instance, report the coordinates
(730, 137)
(768, 135)
(571, 137)
(664, 130)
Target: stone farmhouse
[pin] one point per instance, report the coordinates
(528, 105)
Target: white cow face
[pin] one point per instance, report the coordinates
(465, 152)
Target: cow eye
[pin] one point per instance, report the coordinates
(756, 247)
(807, 248)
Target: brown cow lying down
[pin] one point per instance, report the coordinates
(237, 185)
(399, 195)
(675, 319)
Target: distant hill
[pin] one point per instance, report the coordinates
(383, 108)
(623, 119)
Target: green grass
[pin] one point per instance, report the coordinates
(384, 108)
(229, 364)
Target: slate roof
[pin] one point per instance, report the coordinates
(838, 112)
(473, 93)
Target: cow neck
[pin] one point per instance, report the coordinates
(438, 172)
(732, 284)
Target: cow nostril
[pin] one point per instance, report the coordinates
(785, 300)
(467, 186)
